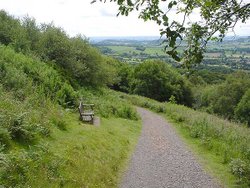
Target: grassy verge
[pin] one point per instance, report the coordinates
(95, 156)
(212, 163)
(77, 155)
(223, 146)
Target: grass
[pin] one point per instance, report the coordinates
(155, 50)
(95, 156)
(81, 155)
(211, 163)
(43, 143)
(123, 49)
(152, 50)
(222, 146)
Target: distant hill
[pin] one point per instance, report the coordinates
(123, 38)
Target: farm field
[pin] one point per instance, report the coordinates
(234, 54)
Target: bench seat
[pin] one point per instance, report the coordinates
(86, 112)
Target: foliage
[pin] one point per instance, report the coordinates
(4, 138)
(202, 77)
(240, 169)
(93, 156)
(223, 99)
(217, 17)
(52, 71)
(124, 75)
(157, 80)
(242, 111)
(30, 116)
(80, 63)
(22, 75)
(109, 103)
(22, 168)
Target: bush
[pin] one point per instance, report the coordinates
(109, 103)
(240, 169)
(159, 81)
(199, 129)
(20, 167)
(66, 96)
(127, 112)
(20, 130)
(5, 137)
(242, 110)
(224, 99)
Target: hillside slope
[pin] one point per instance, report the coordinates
(43, 144)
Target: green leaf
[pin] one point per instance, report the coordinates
(120, 2)
(129, 2)
(171, 4)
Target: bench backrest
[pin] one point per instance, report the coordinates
(80, 108)
(83, 107)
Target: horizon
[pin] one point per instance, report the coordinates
(93, 20)
(96, 39)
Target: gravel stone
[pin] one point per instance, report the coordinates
(161, 159)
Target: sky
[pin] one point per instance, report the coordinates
(91, 20)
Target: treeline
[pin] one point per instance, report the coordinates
(156, 80)
(74, 57)
(226, 95)
(83, 65)
(220, 92)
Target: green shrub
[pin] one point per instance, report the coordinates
(109, 103)
(242, 111)
(5, 137)
(66, 96)
(18, 169)
(240, 169)
(159, 81)
(177, 117)
(225, 99)
(127, 112)
(20, 130)
(199, 129)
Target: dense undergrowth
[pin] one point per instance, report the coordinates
(229, 141)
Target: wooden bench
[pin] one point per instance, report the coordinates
(86, 112)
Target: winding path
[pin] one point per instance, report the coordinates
(161, 159)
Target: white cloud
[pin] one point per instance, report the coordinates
(79, 16)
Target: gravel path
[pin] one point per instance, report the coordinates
(161, 159)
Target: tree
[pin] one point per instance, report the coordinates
(217, 17)
(242, 110)
(159, 81)
(223, 99)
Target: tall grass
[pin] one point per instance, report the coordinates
(81, 156)
(228, 140)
